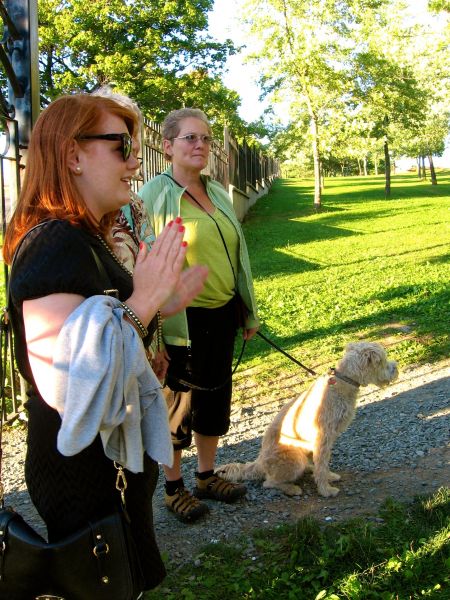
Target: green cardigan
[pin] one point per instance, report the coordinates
(162, 198)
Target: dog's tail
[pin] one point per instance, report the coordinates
(241, 471)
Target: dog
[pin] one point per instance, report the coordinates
(302, 434)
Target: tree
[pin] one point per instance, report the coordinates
(427, 142)
(439, 5)
(303, 52)
(156, 51)
(391, 95)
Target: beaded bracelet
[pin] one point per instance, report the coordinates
(159, 331)
(143, 331)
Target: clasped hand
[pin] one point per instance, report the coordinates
(159, 280)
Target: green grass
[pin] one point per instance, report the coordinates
(365, 267)
(405, 556)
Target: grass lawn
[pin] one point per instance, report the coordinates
(363, 268)
(404, 556)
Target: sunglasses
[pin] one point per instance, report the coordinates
(125, 139)
(192, 138)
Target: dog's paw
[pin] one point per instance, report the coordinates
(223, 471)
(328, 491)
(333, 476)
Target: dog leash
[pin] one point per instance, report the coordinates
(294, 360)
(332, 372)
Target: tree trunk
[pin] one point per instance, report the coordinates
(375, 162)
(359, 167)
(419, 168)
(365, 166)
(316, 156)
(432, 171)
(387, 167)
(424, 170)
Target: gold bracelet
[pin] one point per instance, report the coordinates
(143, 331)
(159, 331)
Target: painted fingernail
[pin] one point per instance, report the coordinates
(181, 228)
(184, 244)
(169, 224)
(178, 220)
(141, 245)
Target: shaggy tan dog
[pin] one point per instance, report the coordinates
(302, 434)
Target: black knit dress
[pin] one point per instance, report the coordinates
(68, 491)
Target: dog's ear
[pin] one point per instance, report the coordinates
(372, 354)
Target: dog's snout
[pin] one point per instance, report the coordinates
(393, 369)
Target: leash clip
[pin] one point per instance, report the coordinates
(331, 378)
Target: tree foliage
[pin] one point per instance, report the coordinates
(156, 51)
(363, 72)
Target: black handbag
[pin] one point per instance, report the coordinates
(98, 562)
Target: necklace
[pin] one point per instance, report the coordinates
(111, 253)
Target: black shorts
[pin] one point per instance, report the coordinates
(212, 332)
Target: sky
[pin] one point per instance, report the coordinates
(223, 24)
(240, 77)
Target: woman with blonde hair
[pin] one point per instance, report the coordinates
(200, 340)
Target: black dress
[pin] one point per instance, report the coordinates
(68, 491)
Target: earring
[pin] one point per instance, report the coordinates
(78, 170)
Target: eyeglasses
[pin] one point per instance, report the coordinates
(192, 138)
(125, 139)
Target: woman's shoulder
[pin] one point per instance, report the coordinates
(219, 192)
(52, 238)
(155, 182)
(158, 190)
(54, 256)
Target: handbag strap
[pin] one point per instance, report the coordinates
(186, 191)
(4, 338)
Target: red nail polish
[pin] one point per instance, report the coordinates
(181, 228)
(178, 220)
(169, 224)
(184, 244)
(141, 245)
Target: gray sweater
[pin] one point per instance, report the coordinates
(103, 383)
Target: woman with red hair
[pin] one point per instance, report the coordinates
(80, 163)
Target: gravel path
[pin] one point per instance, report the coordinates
(397, 446)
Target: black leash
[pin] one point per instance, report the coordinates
(297, 362)
(331, 371)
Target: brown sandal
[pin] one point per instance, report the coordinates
(185, 506)
(216, 488)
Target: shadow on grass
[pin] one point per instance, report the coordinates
(269, 242)
(433, 307)
(356, 190)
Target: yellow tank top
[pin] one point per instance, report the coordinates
(205, 247)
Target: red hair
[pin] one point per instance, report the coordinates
(48, 190)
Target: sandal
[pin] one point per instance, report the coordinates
(185, 506)
(216, 488)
